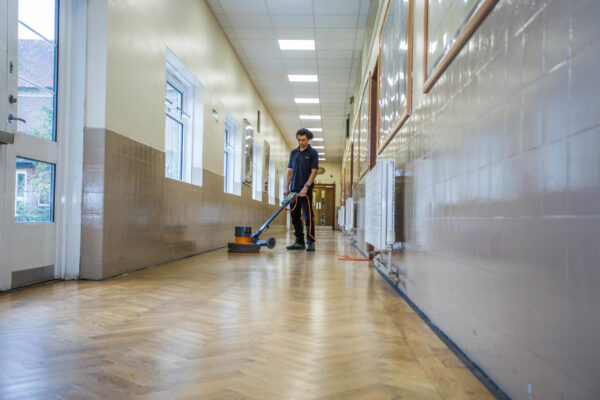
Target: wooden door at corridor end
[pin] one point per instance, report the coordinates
(324, 204)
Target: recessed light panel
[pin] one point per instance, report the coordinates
(299, 100)
(296, 44)
(303, 78)
(310, 116)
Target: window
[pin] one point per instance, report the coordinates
(257, 170)
(176, 121)
(281, 183)
(34, 191)
(38, 68)
(271, 182)
(184, 114)
(20, 192)
(228, 157)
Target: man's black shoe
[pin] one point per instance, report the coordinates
(296, 246)
(310, 247)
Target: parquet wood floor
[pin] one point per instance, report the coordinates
(276, 325)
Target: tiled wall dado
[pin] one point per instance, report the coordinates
(501, 182)
(135, 217)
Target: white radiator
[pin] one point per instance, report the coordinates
(379, 209)
(349, 214)
(341, 219)
(360, 214)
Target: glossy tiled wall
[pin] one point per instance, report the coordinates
(500, 193)
(135, 217)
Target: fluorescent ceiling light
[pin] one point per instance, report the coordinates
(303, 78)
(318, 147)
(299, 100)
(296, 44)
(321, 159)
(317, 139)
(303, 116)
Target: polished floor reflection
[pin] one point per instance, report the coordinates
(276, 325)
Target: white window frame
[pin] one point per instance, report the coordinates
(24, 198)
(257, 170)
(233, 175)
(281, 183)
(228, 159)
(192, 116)
(271, 182)
(183, 116)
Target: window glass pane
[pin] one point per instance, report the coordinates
(36, 59)
(174, 97)
(37, 68)
(34, 192)
(226, 170)
(173, 148)
(40, 15)
(36, 106)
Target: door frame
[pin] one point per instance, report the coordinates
(323, 185)
(72, 27)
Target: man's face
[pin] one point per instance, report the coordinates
(302, 140)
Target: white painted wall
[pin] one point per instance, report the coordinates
(138, 36)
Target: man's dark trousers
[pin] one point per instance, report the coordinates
(309, 219)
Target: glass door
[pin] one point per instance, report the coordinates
(29, 164)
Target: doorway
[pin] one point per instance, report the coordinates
(324, 205)
(34, 142)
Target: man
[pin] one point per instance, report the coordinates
(302, 170)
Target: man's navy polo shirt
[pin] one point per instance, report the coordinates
(302, 162)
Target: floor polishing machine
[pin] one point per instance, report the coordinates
(248, 242)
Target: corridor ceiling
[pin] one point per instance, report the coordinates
(254, 28)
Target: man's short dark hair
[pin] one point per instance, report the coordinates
(304, 132)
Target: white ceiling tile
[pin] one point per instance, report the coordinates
(301, 71)
(295, 34)
(335, 21)
(336, 7)
(273, 77)
(255, 33)
(343, 77)
(335, 45)
(244, 7)
(300, 62)
(293, 21)
(261, 65)
(335, 34)
(290, 7)
(332, 98)
(362, 21)
(365, 7)
(334, 71)
(343, 56)
(257, 44)
(249, 21)
(265, 54)
(305, 90)
(333, 62)
(336, 60)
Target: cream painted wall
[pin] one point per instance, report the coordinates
(333, 173)
(138, 36)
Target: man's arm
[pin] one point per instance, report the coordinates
(288, 181)
(309, 182)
